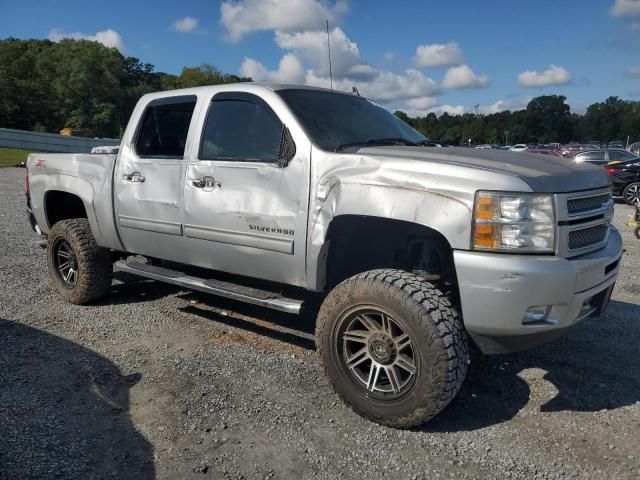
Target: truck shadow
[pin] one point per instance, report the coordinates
(64, 411)
(296, 330)
(593, 368)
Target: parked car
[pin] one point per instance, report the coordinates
(300, 195)
(519, 147)
(110, 149)
(625, 180)
(572, 149)
(602, 156)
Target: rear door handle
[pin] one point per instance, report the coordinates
(135, 177)
(206, 183)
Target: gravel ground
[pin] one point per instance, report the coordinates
(157, 382)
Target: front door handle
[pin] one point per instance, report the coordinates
(135, 177)
(206, 183)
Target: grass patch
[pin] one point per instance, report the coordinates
(10, 157)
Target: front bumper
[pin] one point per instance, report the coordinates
(497, 289)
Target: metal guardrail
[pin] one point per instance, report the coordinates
(50, 142)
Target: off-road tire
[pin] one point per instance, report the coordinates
(438, 336)
(95, 268)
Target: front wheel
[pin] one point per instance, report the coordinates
(393, 346)
(79, 269)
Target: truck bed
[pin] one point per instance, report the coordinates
(88, 176)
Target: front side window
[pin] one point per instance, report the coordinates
(591, 157)
(164, 127)
(243, 129)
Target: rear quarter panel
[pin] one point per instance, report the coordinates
(86, 175)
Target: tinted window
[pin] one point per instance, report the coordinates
(590, 157)
(333, 119)
(241, 130)
(164, 127)
(617, 155)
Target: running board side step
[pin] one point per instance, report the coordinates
(229, 290)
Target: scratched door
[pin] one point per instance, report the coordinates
(244, 213)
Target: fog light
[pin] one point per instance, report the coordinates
(536, 314)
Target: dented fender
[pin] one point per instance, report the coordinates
(438, 196)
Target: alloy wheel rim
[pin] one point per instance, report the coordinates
(632, 194)
(377, 353)
(65, 263)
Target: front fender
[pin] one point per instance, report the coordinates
(443, 213)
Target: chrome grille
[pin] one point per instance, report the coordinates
(577, 206)
(587, 236)
(583, 221)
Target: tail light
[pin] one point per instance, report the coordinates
(610, 170)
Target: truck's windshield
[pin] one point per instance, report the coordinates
(336, 121)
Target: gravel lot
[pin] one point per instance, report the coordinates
(157, 382)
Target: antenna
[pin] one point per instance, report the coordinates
(329, 48)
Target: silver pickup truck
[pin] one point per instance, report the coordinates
(303, 193)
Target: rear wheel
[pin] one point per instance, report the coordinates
(79, 269)
(631, 193)
(393, 346)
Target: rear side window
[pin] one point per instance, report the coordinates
(243, 129)
(164, 127)
(618, 155)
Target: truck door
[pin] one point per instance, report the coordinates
(245, 211)
(149, 177)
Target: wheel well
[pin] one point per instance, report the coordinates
(62, 206)
(360, 243)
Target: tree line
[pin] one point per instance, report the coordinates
(47, 86)
(546, 119)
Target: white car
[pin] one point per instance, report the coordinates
(519, 147)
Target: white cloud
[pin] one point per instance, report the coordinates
(290, 70)
(389, 56)
(421, 103)
(109, 38)
(554, 75)
(625, 8)
(312, 47)
(634, 72)
(243, 17)
(437, 55)
(463, 77)
(450, 109)
(186, 24)
(502, 105)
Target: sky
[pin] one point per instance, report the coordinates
(416, 56)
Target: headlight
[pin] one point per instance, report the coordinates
(518, 222)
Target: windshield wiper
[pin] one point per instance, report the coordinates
(372, 142)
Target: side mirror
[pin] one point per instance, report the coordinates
(287, 148)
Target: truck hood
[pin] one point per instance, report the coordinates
(543, 173)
